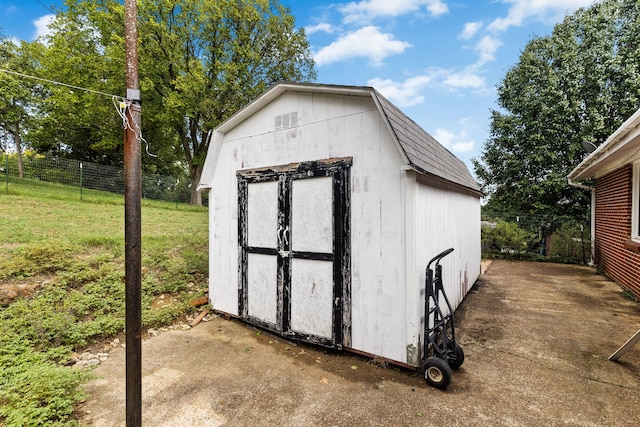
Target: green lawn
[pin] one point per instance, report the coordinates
(72, 253)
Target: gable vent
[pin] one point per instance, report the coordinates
(286, 121)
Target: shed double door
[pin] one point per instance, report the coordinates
(294, 250)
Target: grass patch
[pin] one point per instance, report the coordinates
(71, 253)
(627, 294)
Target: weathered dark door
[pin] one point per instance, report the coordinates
(294, 249)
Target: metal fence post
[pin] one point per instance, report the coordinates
(80, 181)
(41, 170)
(6, 170)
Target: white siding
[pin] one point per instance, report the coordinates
(445, 219)
(377, 218)
(397, 224)
(329, 126)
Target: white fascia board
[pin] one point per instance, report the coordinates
(280, 88)
(392, 132)
(614, 151)
(210, 162)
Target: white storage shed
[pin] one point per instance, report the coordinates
(326, 203)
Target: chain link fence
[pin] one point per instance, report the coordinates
(39, 170)
(536, 237)
(504, 235)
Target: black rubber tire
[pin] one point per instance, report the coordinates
(436, 372)
(455, 357)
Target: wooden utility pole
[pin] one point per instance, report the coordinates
(132, 222)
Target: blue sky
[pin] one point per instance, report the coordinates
(438, 60)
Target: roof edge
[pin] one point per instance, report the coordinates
(281, 87)
(587, 168)
(460, 188)
(376, 99)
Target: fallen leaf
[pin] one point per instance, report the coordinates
(324, 381)
(354, 367)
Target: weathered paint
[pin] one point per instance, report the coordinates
(293, 275)
(453, 220)
(396, 221)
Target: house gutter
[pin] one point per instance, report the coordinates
(578, 185)
(629, 130)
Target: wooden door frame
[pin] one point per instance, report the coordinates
(339, 170)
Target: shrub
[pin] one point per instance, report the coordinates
(505, 239)
(77, 273)
(570, 244)
(34, 389)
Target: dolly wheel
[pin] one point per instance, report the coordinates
(436, 372)
(455, 355)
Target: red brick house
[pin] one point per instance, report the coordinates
(614, 173)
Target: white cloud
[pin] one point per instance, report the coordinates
(16, 41)
(542, 10)
(487, 48)
(470, 29)
(466, 79)
(410, 92)
(456, 142)
(366, 10)
(436, 7)
(404, 94)
(42, 26)
(366, 42)
(324, 27)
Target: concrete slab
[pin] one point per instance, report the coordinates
(536, 338)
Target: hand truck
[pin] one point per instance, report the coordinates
(441, 353)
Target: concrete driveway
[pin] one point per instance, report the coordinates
(536, 338)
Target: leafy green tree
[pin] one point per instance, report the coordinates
(200, 61)
(76, 123)
(506, 237)
(17, 95)
(577, 84)
(571, 243)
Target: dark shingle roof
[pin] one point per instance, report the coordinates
(426, 155)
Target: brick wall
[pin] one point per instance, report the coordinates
(613, 229)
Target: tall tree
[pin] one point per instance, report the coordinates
(200, 61)
(17, 94)
(577, 84)
(79, 123)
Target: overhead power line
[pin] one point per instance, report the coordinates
(121, 104)
(45, 6)
(60, 83)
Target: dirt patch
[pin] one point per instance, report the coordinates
(536, 339)
(164, 300)
(11, 291)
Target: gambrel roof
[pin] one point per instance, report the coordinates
(420, 151)
(425, 155)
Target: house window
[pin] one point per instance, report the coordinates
(635, 208)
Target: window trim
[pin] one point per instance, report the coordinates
(635, 202)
